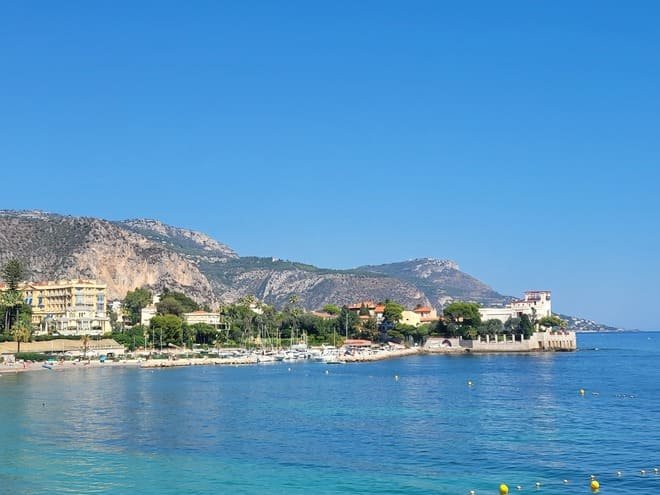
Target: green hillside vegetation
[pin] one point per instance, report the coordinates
(226, 271)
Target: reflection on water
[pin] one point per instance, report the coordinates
(296, 429)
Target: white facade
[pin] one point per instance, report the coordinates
(146, 314)
(539, 341)
(202, 317)
(536, 304)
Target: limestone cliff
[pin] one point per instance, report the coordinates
(148, 253)
(56, 247)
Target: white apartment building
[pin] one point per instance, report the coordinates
(536, 304)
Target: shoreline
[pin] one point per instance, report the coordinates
(253, 359)
(186, 362)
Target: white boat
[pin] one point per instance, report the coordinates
(333, 360)
(291, 355)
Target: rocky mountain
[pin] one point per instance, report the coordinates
(135, 253)
(148, 253)
(441, 281)
(192, 245)
(273, 281)
(56, 247)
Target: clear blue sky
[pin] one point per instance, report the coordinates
(521, 139)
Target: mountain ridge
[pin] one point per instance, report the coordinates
(132, 253)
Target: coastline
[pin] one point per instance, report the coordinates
(246, 360)
(185, 362)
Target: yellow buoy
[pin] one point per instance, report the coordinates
(595, 485)
(504, 490)
(581, 391)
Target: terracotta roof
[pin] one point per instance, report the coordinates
(422, 309)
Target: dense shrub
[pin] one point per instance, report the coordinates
(32, 356)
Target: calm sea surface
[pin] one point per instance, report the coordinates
(294, 429)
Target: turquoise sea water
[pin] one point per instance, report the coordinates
(294, 429)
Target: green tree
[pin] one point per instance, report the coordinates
(332, 309)
(12, 306)
(115, 325)
(21, 332)
(407, 331)
(200, 333)
(512, 326)
(462, 319)
(132, 338)
(166, 329)
(170, 306)
(369, 329)
(175, 303)
(553, 322)
(491, 327)
(392, 312)
(13, 272)
(519, 326)
(347, 322)
(135, 301)
(526, 327)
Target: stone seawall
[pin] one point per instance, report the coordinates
(539, 341)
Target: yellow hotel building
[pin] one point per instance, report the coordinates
(67, 307)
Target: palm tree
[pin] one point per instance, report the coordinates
(11, 300)
(85, 345)
(22, 331)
